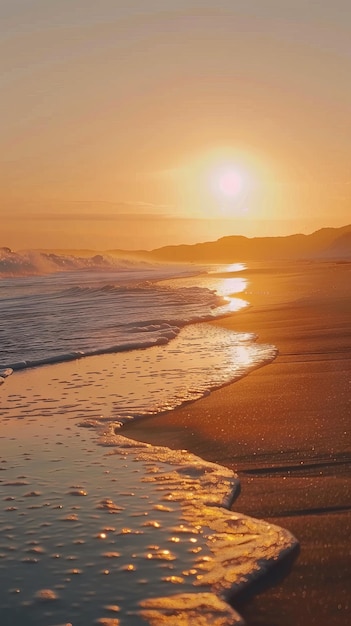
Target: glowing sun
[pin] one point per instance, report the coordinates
(227, 182)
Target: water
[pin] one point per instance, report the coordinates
(86, 539)
(67, 315)
(89, 534)
(53, 318)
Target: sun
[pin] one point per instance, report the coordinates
(221, 183)
(229, 182)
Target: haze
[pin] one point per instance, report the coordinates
(152, 122)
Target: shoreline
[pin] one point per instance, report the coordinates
(210, 414)
(72, 505)
(291, 415)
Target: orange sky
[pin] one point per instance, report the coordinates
(120, 119)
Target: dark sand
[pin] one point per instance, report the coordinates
(286, 429)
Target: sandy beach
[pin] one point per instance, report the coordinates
(286, 429)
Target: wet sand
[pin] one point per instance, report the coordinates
(98, 529)
(286, 429)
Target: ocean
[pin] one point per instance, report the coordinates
(84, 349)
(67, 315)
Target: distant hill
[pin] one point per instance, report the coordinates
(327, 242)
(340, 248)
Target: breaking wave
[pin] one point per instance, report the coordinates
(34, 263)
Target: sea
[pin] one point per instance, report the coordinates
(94, 525)
(56, 308)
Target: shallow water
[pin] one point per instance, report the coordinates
(165, 361)
(88, 532)
(123, 386)
(82, 525)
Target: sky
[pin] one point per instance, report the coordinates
(140, 123)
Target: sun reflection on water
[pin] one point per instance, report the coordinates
(226, 287)
(235, 267)
(244, 356)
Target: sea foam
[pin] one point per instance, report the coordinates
(63, 317)
(120, 532)
(36, 263)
